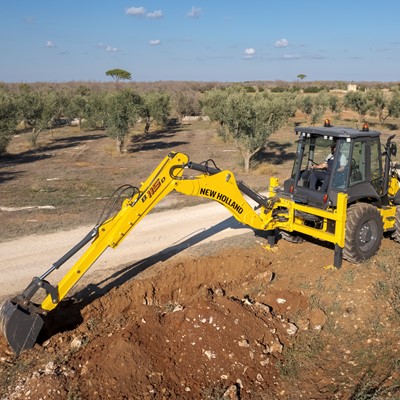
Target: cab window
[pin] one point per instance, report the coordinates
(376, 167)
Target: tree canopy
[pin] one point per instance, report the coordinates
(119, 74)
(247, 118)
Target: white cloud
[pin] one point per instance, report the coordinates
(135, 11)
(282, 43)
(107, 47)
(155, 14)
(194, 12)
(50, 43)
(111, 49)
(249, 53)
(155, 42)
(141, 11)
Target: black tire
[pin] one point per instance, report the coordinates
(290, 237)
(364, 232)
(396, 232)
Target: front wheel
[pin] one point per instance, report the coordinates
(364, 232)
(291, 238)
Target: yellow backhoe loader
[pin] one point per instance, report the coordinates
(348, 199)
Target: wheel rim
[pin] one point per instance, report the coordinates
(367, 235)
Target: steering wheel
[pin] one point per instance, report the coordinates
(312, 162)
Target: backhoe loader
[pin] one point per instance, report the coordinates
(350, 203)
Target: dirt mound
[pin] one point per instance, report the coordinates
(240, 323)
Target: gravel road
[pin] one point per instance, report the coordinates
(158, 234)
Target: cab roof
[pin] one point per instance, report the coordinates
(337, 132)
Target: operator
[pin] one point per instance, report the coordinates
(322, 172)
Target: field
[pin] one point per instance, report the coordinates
(220, 320)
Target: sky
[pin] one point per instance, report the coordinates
(200, 40)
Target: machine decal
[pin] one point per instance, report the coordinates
(222, 198)
(153, 189)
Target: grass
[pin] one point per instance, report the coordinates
(300, 355)
(74, 393)
(374, 387)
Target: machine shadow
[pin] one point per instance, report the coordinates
(68, 316)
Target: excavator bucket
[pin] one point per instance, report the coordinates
(20, 327)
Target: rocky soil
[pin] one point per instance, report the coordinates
(227, 320)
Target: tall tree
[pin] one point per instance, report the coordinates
(119, 74)
(301, 76)
(247, 118)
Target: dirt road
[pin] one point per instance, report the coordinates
(158, 235)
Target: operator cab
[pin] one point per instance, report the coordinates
(330, 160)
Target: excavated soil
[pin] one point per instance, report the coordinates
(226, 320)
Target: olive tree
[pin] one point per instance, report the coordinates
(314, 106)
(334, 103)
(378, 104)
(156, 107)
(37, 110)
(394, 105)
(248, 119)
(357, 102)
(95, 111)
(122, 112)
(8, 119)
(187, 102)
(78, 103)
(306, 104)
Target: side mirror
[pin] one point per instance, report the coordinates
(393, 149)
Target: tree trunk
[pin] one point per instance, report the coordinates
(147, 126)
(34, 136)
(246, 160)
(246, 155)
(119, 144)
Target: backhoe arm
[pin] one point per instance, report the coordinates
(20, 317)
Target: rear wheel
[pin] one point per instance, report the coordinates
(364, 232)
(396, 232)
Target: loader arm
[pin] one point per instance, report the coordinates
(20, 318)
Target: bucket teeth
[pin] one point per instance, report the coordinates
(20, 327)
